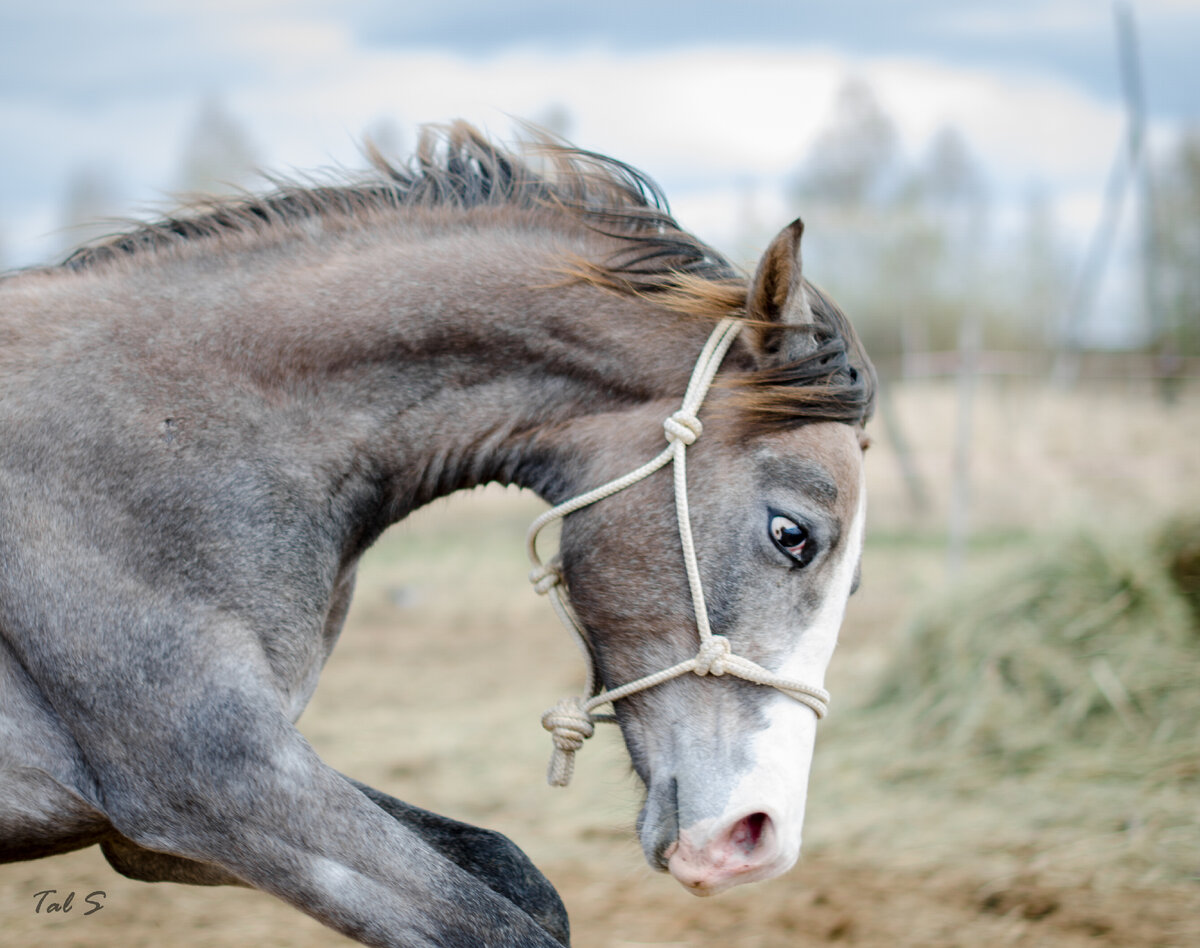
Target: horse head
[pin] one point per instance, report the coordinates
(727, 667)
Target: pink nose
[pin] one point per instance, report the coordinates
(743, 851)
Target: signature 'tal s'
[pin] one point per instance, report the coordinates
(47, 902)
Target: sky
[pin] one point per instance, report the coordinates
(714, 100)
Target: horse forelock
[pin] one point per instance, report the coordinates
(834, 381)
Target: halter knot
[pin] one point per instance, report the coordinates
(544, 578)
(570, 724)
(683, 426)
(710, 660)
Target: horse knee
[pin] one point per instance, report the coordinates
(194, 809)
(161, 821)
(193, 790)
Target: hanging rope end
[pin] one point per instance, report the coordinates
(561, 769)
(570, 724)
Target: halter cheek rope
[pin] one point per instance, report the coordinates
(571, 721)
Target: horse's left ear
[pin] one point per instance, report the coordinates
(778, 302)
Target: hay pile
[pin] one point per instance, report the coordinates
(1057, 705)
(1084, 659)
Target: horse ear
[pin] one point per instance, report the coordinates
(778, 301)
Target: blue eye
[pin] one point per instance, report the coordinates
(792, 538)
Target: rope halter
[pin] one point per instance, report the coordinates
(571, 721)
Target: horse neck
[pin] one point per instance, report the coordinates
(433, 363)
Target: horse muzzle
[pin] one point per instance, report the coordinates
(716, 820)
(710, 859)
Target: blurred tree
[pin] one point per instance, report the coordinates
(950, 183)
(218, 157)
(1176, 245)
(845, 189)
(854, 160)
(902, 244)
(1039, 275)
(935, 260)
(90, 207)
(908, 247)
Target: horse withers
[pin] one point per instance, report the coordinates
(204, 422)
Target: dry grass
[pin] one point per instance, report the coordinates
(1045, 460)
(449, 659)
(1082, 657)
(1047, 715)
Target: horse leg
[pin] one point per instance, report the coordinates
(42, 814)
(489, 856)
(39, 816)
(220, 777)
(45, 805)
(287, 824)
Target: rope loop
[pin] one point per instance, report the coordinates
(544, 578)
(683, 426)
(710, 660)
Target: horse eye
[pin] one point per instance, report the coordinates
(790, 537)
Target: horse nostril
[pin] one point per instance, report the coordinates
(746, 849)
(749, 831)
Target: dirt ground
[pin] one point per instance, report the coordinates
(448, 660)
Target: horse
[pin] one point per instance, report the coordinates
(206, 420)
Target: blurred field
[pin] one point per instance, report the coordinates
(430, 697)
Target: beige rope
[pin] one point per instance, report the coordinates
(571, 721)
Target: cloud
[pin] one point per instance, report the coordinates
(120, 85)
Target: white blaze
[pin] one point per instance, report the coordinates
(777, 783)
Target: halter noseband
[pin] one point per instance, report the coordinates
(571, 721)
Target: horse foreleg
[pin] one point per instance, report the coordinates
(183, 725)
(252, 799)
(489, 856)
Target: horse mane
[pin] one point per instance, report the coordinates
(456, 167)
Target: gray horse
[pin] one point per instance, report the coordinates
(205, 422)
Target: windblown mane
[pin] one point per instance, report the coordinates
(456, 167)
